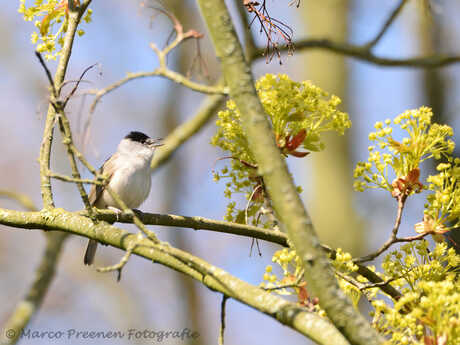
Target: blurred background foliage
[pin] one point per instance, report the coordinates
(154, 297)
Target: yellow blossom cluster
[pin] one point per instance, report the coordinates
(46, 15)
(299, 113)
(399, 159)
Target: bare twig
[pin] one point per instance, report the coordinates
(64, 103)
(66, 178)
(59, 109)
(393, 238)
(48, 74)
(296, 284)
(124, 260)
(163, 70)
(222, 319)
(386, 25)
(379, 284)
(271, 28)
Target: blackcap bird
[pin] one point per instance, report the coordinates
(128, 174)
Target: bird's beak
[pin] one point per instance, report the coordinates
(155, 142)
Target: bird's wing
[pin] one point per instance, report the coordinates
(96, 190)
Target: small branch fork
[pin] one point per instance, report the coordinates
(402, 188)
(393, 238)
(163, 70)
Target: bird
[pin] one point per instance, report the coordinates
(128, 174)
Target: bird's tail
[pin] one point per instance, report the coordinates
(90, 252)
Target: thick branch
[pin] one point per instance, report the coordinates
(289, 314)
(200, 223)
(286, 201)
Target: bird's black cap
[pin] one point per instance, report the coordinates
(138, 137)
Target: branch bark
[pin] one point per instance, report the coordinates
(287, 204)
(309, 324)
(75, 15)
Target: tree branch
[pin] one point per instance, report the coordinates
(163, 70)
(223, 305)
(75, 15)
(362, 53)
(309, 324)
(394, 233)
(195, 223)
(387, 24)
(287, 204)
(44, 274)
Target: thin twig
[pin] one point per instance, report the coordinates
(296, 284)
(386, 25)
(66, 178)
(163, 70)
(222, 319)
(121, 264)
(349, 280)
(393, 238)
(76, 85)
(48, 73)
(379, 284)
